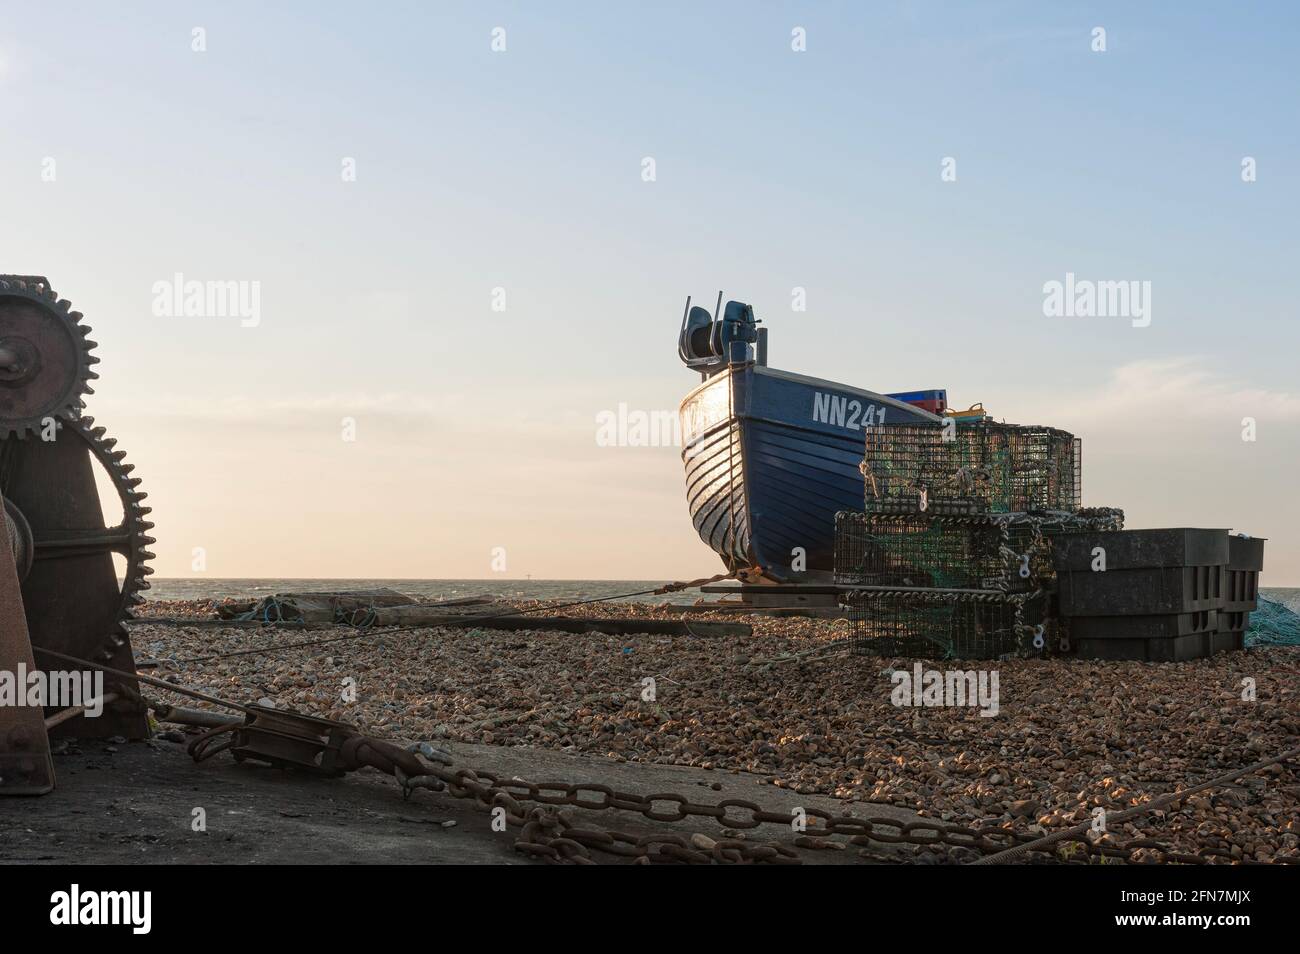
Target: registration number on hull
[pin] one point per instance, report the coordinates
(845, 412)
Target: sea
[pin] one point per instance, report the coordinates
(203, 588)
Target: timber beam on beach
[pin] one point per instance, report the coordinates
(630, 626)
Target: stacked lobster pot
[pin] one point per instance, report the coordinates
(1159, 595)
(951, 555)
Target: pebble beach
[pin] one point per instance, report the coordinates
(787, 705)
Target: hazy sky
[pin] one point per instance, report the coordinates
(522, 170)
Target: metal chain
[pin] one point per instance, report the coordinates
(550, 831)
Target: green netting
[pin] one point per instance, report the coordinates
(976, 467)
(1009, 551)
(935, 624)
(1273, 624)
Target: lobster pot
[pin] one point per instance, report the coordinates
(1010, 552)
(946, 624)
(977, 467)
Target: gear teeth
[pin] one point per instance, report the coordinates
(67, 402)
(104, 449)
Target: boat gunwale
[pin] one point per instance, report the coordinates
(875, 396)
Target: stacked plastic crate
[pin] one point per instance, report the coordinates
(1159, 595)
(951, 556)
(1245, 561)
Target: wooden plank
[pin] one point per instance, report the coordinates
(614, 627)
(569, 624)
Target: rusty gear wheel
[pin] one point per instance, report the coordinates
(63, 530)
(45, 359)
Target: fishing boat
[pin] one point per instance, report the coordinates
(771, 455)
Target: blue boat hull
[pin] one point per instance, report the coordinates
(770, 458)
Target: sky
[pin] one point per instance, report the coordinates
(462, 259)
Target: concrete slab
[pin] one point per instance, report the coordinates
(135, 803)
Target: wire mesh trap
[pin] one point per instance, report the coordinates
(983, 466)
(1003, 551)
(946, 624)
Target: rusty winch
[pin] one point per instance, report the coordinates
(60, 587)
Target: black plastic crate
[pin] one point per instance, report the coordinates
(1245, 560)
(1159, 649)
(1245, 553)
(1157, 638)
(946, 624)
(1230, 619)
(1143, 592)
(1242, 590)
(1160, 626)
(1147, 572)
(1227, 640)
(1142, 549)
(1231, 633)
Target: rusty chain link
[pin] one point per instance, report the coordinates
(549, 830)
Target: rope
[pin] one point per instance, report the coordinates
(147, 680)
(864, 468)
